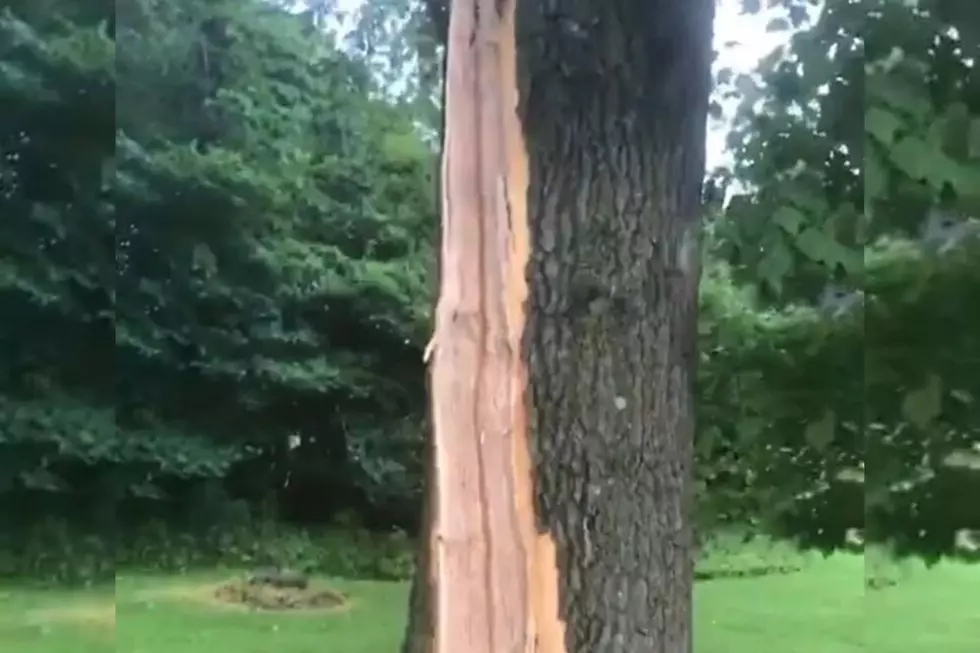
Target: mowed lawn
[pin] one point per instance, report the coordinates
(824, 609)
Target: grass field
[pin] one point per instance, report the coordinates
(823, 609)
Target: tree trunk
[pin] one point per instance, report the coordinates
(485, 578)
(615, 106)
(575, 539)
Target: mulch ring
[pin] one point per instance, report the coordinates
(239, 594)
(259, 596)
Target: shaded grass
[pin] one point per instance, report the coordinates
(165, 614)
(34, 620)
(823, 609)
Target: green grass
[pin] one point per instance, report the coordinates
(824, 609)
(44, 621)
(372, 622)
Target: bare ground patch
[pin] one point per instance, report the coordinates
(239, 594)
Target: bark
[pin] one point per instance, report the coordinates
(615, 104)
(567, 310)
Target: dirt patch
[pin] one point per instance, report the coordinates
(239, 594)
(260, 596)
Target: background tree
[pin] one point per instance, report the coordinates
(194, 272)
(239, 213)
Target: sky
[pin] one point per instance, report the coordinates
(751, 43)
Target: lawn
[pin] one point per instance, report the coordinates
(824, 609)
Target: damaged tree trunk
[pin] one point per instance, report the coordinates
(563, 355)
(487, 581)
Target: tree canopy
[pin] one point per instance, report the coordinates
(216, 261)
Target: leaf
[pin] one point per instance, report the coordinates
(790, 219)
(777, 25)
(974, 138)
(816, 245)
(44, 480)
(851, 259)
(715, 111)
(875, 180)
(147, 490)
(203, 259)
(962, 396)
(798, 15)
(954, 131)
(749, 429)
(776, 264)
(881, 124)
(706, 441)
(820, 434)
(924, 404)
(747, 87)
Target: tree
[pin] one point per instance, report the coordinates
(563, 354)
(245, 238)
(853, 144)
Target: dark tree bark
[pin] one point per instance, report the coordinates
(564, 354)
(615, 104)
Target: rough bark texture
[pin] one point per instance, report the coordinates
(592, 554)
(615, 99)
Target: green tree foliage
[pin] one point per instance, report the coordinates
(213, 239)
(216, 245)
(852, 232)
